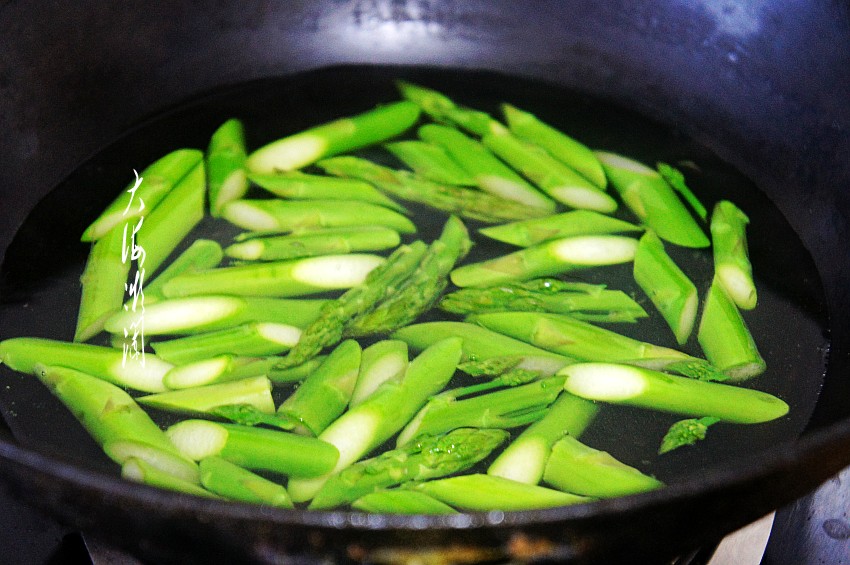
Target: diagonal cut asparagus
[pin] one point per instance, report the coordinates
(428, 458)
(490, 174)
(338, 136)
(383, 361)
(569, 151)
(651, 199)
(731, 260)
(225, 161)
(443, 109)
(203, 254)
(526, 233)
(524, 460)
(666, 285)
(376, 419)
(325, 393)
(248, 339)
(465, 202)
(276, 215)
(235, 483)
(310, 243)
(725, 338)
(254, 448)
(431, 162)
(229, 367)
(557, 180)
(676, 180)
(645, 388)
(295, 277)
(254, 391)
(157, 179)
(24, 354)
(486, 492)
(302, 186)
(547, 259)
(401, 501)
(140, 471)
(580, 469)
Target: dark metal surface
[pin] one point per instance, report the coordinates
(765, 84)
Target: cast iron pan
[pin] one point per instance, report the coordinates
(796, 167)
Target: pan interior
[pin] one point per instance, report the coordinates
(39, 280)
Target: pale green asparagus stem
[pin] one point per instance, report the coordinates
(676, 180)
(329, 241)
(229, 367)
(248, 339)
(225, 160)
(235, 483)
(254, 391)
(526, 233)
(485, 492)
(401, 501)
(430, 162)
(731, 260)
(443, 109)
(203, 254)
(301, 186)
(382, 361)
(140, 471)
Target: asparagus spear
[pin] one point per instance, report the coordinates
(290, 215)
(157, 179)
(401, 501)
(421, 289)
(557, 180)
(725, 338)
(254, 448)
(382, 361)
(310, 243)
(576, 468)
(225, 160)
(468, 203)
(254, 391)
(645, 388)
(561, 146)
(666, 285)
(222, 477)
(686, 432)
(325, 393)
(526, 233)
(652, 200)
(24, 354)
(229, 367)
(103, 284)
(524, 460)
(676, 180)
(490, 174)
(443, 109)
(248, 339)
(302, 186)
(140, 471)
(485, 492)
(580, 300)
(376, 419)
(428, 458)
(430, 162)
(731, 261)
(295, 277)
(547, 259)
(338, 136)
(203, 254)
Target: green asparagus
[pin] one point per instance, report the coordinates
(731, 260)
(302, 186)
(526, 233)
(225, 160)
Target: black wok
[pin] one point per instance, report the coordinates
(765, 87)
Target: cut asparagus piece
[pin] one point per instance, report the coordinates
(301, 186)
(276, 215)
(580, 300)
(651, 199)
(526, 233)
(24, 354)
(645, 388)
(580, 469)
(428, 458)
(485, 492)
(666, 285)
(490, 174)
(443, 109)
(557, 180)
(524, 460)
(686, 432)
(225, 160)
(467, 203)
(296, 277)
(255, 391)
(197, 314)
(248, 339)
(506, 408)
(676, 180)
(731, 260)
(548, 259)
(561, 146)
(140, 471)
(385, 412)
(383, 361)
(254, 448)
(156, 181)
(103, 283)
(725, 338)
(248, 415)
(228, 367)
(325, 393)
(430, 162)
(203, 254)
(401, 501)
(421, 289)
(338, 136)
(232, 481)
(380, 283)
(330, 241)
(580, 340)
